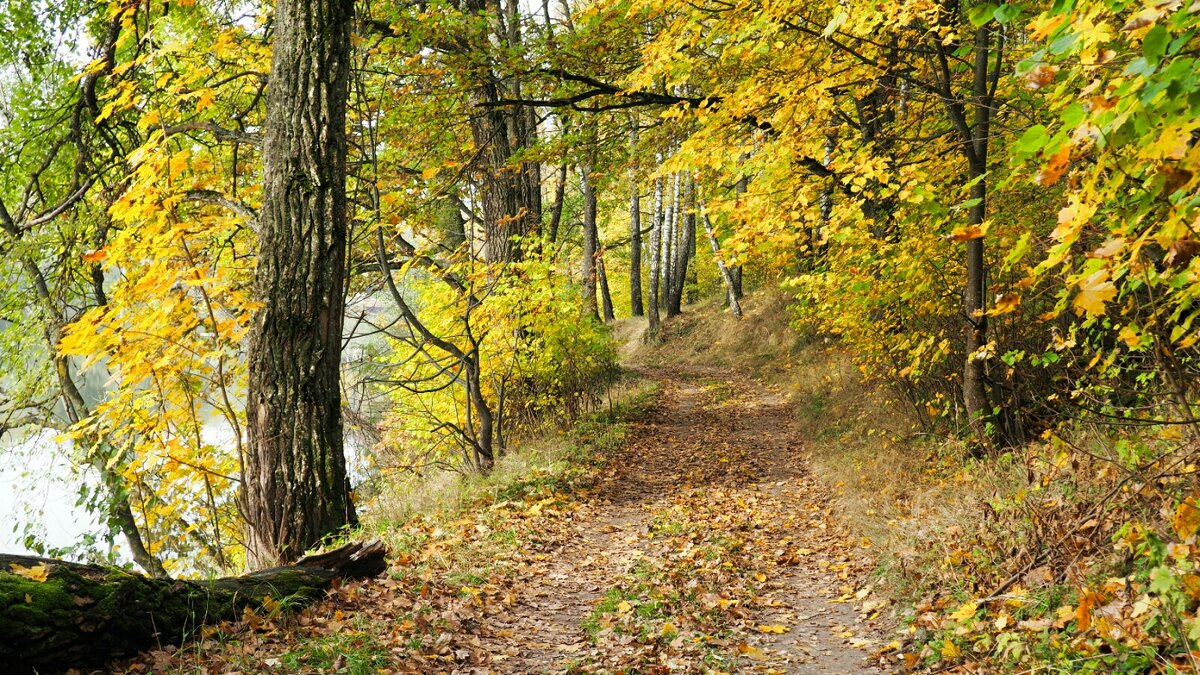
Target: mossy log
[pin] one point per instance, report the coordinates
(66, 615)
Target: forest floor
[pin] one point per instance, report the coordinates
(710, 498)
(701, 542)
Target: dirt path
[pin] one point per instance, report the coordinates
(707, 545)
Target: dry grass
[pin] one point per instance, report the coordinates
(549, 456)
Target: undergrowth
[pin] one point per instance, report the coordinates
(1075, 553)
(456, 542)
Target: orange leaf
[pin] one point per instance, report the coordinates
(967, 233)
(1187, 518)
(1054, 168)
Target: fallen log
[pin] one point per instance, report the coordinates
(56, 615)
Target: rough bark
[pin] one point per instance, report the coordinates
(86, 615)
(294, 488)
(511, 194)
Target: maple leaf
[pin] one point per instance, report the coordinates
(966, 612)
(775, 628)
(950, 650)
(1094, 291)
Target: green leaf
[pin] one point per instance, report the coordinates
(1154, 45)
(1032, 140)
(1007, 12)
(981, 14)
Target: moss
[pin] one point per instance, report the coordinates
(84, 615)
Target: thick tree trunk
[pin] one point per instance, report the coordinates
(511, 195)
(591, 243)
(294, 487)
(85, 615)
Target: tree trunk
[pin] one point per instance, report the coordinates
(86, 615)
(294, 486)
(975, 398)
(606, 302)
(511, 196)
(655, 262)
(686, 248)
(635, 233)
(731, 292)
(669, 235)
(556, 209)
(591, 243)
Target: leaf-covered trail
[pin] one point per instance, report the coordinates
(706, 543)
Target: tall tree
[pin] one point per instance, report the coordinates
(591, 243)
(635, 229)
(295, 490)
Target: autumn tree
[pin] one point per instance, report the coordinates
(295, 488)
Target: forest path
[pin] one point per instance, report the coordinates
(705, 545)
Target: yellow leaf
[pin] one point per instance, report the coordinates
(668, 629)
(966, 612)
(624, 607)
(1094, 291)
(950, 650)
(1109, 248)
(776, 628)
(1005, 303)
(205, 100)
(1129, 335)
(752, 652)
(1187, 518)
(36, 573)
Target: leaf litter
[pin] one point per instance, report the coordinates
(701, 544)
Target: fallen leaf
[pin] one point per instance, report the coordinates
(37, 573)
(965, 613)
